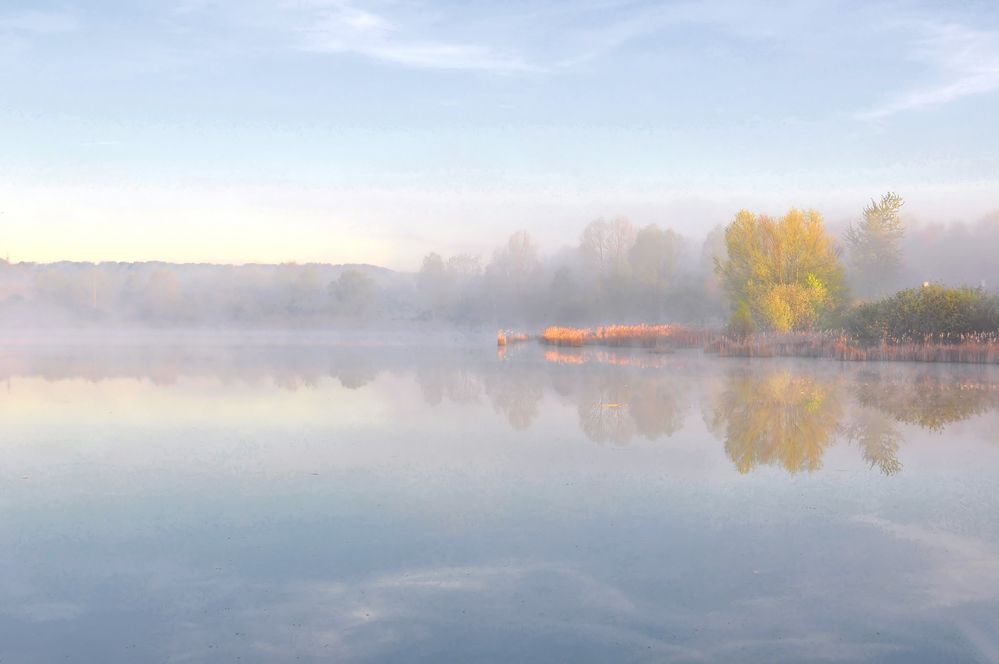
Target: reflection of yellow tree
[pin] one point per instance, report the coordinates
(776, 418)
(878, 439)
(929, 400)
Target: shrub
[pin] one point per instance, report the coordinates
(921, 313)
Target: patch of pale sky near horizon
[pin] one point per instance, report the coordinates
(393, 227)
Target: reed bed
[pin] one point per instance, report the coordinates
(971, 348)
(642, 336)
(508, 337)
(982, 348)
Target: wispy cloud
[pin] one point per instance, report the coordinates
(38, 23)
(341, 27)
(967, 59)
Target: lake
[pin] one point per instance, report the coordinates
(217, 502)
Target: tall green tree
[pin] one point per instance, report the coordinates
(782, 273)
(875, 245)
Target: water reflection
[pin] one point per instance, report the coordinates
(775, 413)
(930, 399)
(878, 437)
(779, 414)
(776, 418)
(334, 504)
(516, 395)
(789, 418)
(616, 406)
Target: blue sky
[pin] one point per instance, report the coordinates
(272, 130)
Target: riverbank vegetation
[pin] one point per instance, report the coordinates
(757, 275)
(789, 294)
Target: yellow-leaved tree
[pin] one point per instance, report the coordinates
(781, 273)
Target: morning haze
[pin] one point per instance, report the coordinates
(433, 331)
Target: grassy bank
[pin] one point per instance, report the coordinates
(980, 348)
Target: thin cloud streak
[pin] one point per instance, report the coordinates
(970, 59)
(39, 23)
(344, 28)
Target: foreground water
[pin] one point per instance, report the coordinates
(311, 503)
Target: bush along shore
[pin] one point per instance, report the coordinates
(928, 324)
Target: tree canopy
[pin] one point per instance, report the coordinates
(781, 273)
(876, 245)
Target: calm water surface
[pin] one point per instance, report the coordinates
(210, 503)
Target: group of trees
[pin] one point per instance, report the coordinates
(786, 273)
(616, 271)
(789, 274)
(195, 294)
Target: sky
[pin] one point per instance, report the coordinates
(352, 131)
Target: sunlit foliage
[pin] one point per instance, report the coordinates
(782, 273)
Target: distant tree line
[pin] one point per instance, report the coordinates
(615, 271)
(757, 273)
(165, 294)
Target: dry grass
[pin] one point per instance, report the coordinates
(971, 348)
(645, 336)
(982, 348)
(505, 337)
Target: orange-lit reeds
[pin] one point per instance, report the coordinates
(624, 335)
(505, 337)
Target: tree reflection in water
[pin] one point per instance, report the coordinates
(878, 438)
(517, 395)
(773, 414)
(455, 384)
(776, 418)
(789, 418)
(931, 399)
(620, 404)
(766, 413)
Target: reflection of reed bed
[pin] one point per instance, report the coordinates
(562, 357)
(579, 356)
(970, 348)
(642, 336)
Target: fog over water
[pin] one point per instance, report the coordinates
(268, 501)
(615, 270)
(435, 331)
